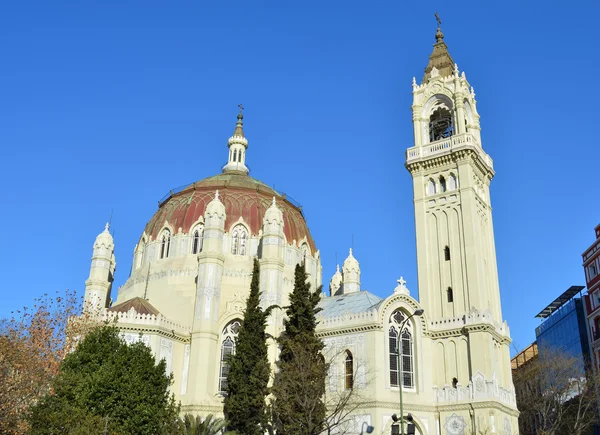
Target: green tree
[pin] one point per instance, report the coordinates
(194, 425)
(249, 370)
(106, 380)
(299, 384)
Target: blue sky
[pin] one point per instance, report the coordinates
(108, 105)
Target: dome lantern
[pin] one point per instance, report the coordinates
(238, 144)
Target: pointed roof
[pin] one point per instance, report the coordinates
(141, 306)
(440, 59)
(239, 126)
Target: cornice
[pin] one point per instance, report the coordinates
(151, 329)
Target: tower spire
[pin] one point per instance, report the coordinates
(239, 126)
(440, 61)
(238, 144)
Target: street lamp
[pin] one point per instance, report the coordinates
(370, 429)
(418, 312)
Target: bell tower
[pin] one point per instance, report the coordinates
(451, 177)
(456, 255)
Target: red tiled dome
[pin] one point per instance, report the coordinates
(243, 196)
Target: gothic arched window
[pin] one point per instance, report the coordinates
(140, 253)
(400, 344)
(349, 370)
(227, 349)
(431, 187)
(239, 240)
(440, 124)
(452, 182)
(442, 184)
(197, 239)
(165, 244)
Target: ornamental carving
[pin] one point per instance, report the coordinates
(455, 425)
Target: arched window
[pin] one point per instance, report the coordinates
(227, 349)
(140, 253)
(442, 184)
(450, 295)
(431, 187)
(440, 124)
(239, 240)
(400, 344)
(304, 249)
(349, 370)
(447, 253)
(235, 155)
(452, 182)
(197, 239)
(165, 244)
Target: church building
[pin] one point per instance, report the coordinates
(445, 355)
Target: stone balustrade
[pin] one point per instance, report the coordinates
(477, 389)
(133, 317)
(452, 143)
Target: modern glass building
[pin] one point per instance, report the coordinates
(564, 327)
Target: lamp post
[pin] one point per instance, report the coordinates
(369, 428)
(418, 312)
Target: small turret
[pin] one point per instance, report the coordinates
(336, 282)
(214, 225)
(351, 274)
(238, 144)
(102, 270)
(272, 238)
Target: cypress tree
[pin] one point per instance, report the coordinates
(299, 385)
(249, 370)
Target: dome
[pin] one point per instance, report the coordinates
(243, 197)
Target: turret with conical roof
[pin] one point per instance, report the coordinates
(205, 327)
(237, 148)
(351, 274)
(102, 270)
(336, 282)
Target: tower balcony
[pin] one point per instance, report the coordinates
(446, 146)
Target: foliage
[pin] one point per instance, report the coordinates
(195, 425)
(556, 395)
(33, 342)
(106, 379)
(299, 384)
(249, 369)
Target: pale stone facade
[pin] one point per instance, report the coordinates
(191, 276)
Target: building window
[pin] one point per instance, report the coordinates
(431, 187)
(442, 184)
(349, 369)
(140, 253)
(592, 270)
(239, 240)
(450, 295)
(400, 344)
(227, 349)
(165, 244)
(447, 253)
(452, 184)
(197, 240)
